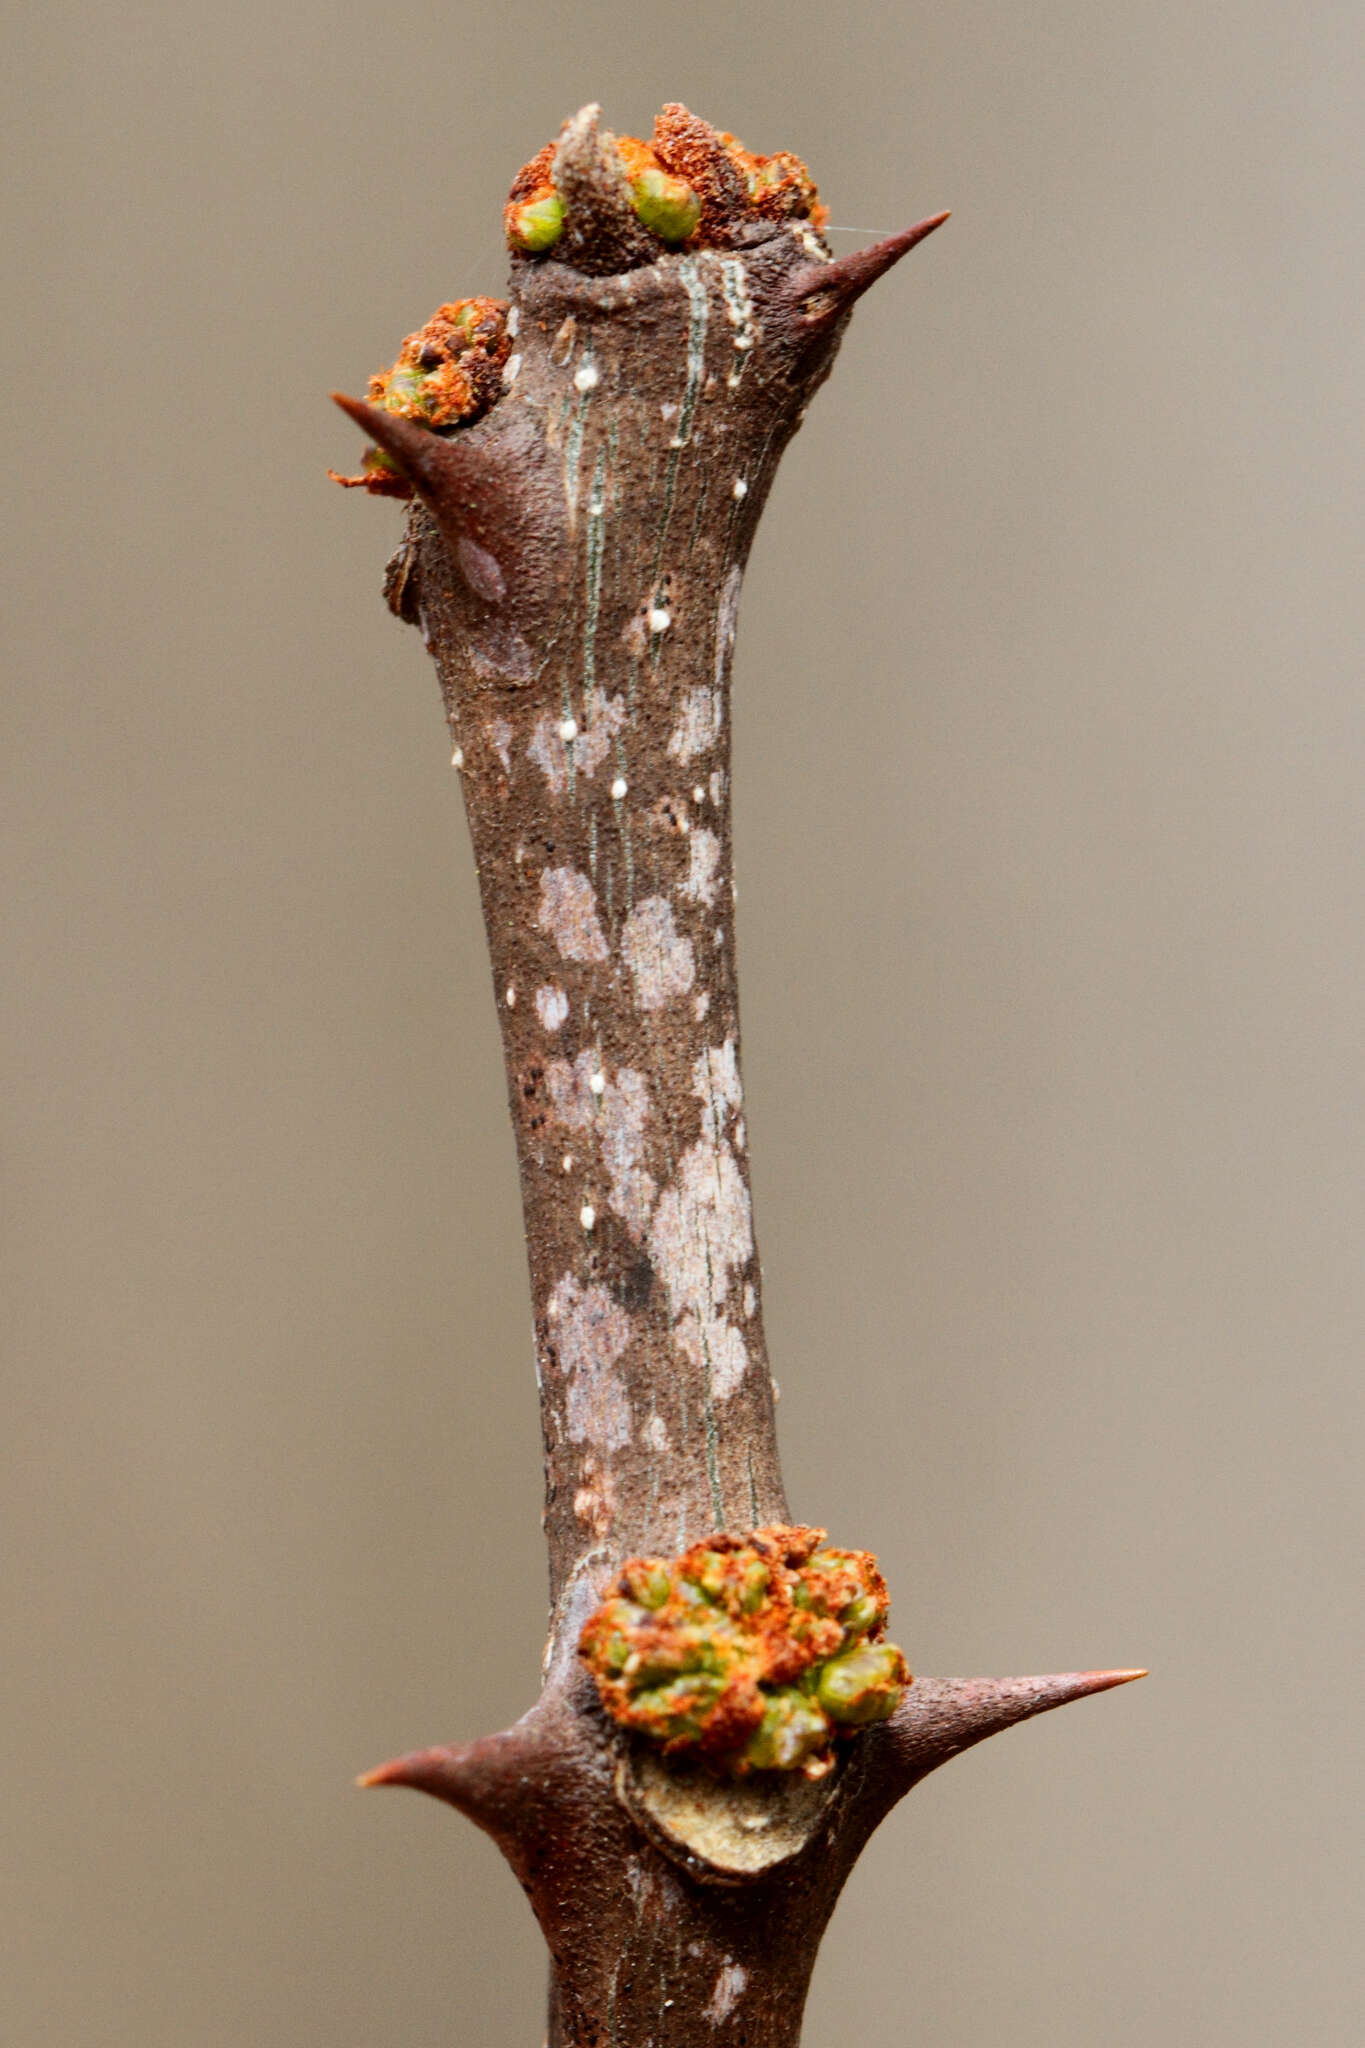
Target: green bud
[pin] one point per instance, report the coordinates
(650, 1586)
(711, 1577)
(537, 225)
(862, 1685)
(679, 1708)
(405, 387)
(792, 1729)
(861, 1614)
(802, 1596)
(757, 1579)
(668, 206)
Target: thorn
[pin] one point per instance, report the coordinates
(832, 287)
(423, 1770)
(424, 458)
(940, 1717)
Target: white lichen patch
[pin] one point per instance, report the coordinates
(698, 723)
(704, 849)
(568, 912)
(550, 742)
(727, 621)
(659, 956)
(701, 1235)
(500, 736)
(656, 1434)
(616, 1112)
(497, 651)
(729, 1989)
(552, 1006)
(590, 1333)
(701, 1004)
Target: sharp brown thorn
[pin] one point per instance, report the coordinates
(422, 456)
(834, 286)
(940, 1717)
(421, 1769)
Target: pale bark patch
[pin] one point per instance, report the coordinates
(659, 956)
(704, 859)
(701, 1235)
(698, 725)
(590, 744)
(591, 1331)
(728, 1990)
(552, 1006)
(568, 912)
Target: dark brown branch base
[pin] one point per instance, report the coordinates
(650, 1938)
(574, 566)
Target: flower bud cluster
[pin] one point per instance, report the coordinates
(691, 186)
(755, 1651)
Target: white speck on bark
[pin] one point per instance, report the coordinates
(698, 726)
(568, 912)
(552, 1006)
(701, 1004)
(656, 1434)
(500, 733)
(700, 885)
(591, 1332)
(726, 1996)
(659, 956)
(585, 377)
(511, 371)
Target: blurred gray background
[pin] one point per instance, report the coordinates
(1050, 739)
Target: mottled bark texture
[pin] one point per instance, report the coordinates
(574, 564)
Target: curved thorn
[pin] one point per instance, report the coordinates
(477, 1778)
(940, 1717)
(832, 287)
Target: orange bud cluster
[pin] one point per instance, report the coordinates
(447, 375)
(754, 1651)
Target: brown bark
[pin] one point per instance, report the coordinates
(574, 566)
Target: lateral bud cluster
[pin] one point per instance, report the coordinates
(753, 1651)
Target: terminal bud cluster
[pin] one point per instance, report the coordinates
(689, 186)
(753, 1651)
